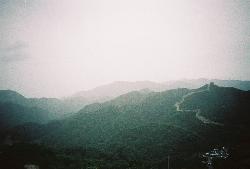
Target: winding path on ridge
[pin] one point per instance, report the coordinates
(197, 111)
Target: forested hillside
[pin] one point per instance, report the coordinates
(142, 129)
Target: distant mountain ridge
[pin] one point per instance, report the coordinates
(107, 92)
(100, 94)
(121, 87)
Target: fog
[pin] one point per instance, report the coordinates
(54, 48)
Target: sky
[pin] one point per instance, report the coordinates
(54, 48)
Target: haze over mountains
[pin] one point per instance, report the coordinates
(136, 129)
(121, 87)
(74, 103)
(109, 91)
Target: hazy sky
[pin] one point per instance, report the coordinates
(56, 47)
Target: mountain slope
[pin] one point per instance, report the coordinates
(225, 105)
(55, 107)
(11, 97)
(13, 114)
(114, 123)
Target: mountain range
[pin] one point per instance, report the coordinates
(106, 92)
(61, 107)
(139, 129)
